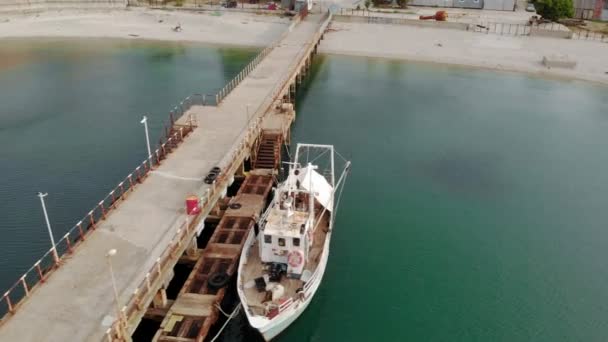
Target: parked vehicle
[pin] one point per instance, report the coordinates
(530, 7)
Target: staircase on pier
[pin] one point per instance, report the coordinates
(268, 155)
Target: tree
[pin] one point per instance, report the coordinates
(368, 3)
(554, 9)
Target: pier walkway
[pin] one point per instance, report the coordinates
(150, 229)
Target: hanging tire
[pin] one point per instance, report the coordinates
(218, 280)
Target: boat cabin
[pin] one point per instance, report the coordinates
(287, 233)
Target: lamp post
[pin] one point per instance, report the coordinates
(48, 226)
(145, 122)
(109, 255)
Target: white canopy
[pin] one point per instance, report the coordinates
(313, 181)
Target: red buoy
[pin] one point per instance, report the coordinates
(192, 205)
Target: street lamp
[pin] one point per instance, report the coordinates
(109, 255)
(145, 122)
(48, 226)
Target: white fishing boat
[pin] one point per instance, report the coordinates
(282, 267)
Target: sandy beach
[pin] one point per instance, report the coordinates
(521, 54)
(223, 28)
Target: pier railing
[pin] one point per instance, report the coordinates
(208, 195)
(54, 258)
(221, 95)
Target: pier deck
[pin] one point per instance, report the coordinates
(76, 302)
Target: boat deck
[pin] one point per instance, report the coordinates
(254, 268)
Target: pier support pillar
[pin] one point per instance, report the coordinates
(192, 250)
(160, 298)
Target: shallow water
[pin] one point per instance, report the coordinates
(475, 211)
(69, 125)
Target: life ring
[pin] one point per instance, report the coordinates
(295, 258)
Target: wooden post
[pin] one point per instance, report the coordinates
(160, 298)
(148, 281)
(137, 301)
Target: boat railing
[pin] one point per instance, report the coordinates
(286, 304)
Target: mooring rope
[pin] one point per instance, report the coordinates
(234, 312)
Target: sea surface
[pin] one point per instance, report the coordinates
(476, 209)
(70, 114)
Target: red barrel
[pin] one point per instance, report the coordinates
(192, 207)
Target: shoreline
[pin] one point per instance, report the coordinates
(17, 39)
(514, 71)
(468, 49)
(211, 28)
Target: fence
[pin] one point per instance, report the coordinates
(584, 34)
(221, 95)
(555, 30)
(502, 28)
(229, 163)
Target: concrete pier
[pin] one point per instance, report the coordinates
(150, 229)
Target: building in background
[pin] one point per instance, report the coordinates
(591, 9)
(476, 4)
(499, 5)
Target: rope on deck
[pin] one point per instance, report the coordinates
(234, 313)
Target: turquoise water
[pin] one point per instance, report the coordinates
(69, 125)
(475, 210)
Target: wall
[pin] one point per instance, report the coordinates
(29, 6)
(432, 3)
(539, 32)
(475, 4)
(499, 5)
